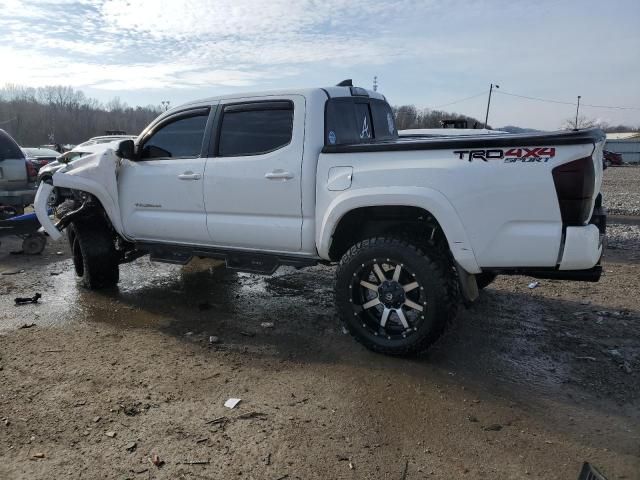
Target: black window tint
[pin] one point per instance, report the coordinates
(9, 149)
(182, 138)
(341, 124)
(256, 130)
(383, 121)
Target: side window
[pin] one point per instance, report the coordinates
(384, 123)
(254, 129)
(178, 139)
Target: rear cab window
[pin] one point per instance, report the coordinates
(358, 120)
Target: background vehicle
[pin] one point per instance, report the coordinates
(73, 155)
(39, 157)
(611, 158)
(17, 176)
(104, 139)
(320, 175)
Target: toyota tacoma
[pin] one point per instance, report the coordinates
(299, 177)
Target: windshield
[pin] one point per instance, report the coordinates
(40, 152)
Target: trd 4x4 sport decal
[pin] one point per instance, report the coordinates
(513, 155)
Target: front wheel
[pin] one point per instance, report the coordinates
(394, 297)
(94, 255)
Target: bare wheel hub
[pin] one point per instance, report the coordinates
(391, 294)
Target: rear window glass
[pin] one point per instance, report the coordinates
(358, 120)
(255, 129)
(9, 149)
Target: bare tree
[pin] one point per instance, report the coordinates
(582, 122)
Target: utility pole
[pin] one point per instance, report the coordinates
(165, 104)
(486, 118)
(577, 110)
(375, 83)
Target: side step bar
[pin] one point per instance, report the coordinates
(252, 262)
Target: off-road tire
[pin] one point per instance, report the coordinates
(94, 255)
(485, 279)
(428, 266)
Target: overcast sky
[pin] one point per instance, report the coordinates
(428, 53)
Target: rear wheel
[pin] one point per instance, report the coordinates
(94, 255)
(394, 297)
(34, 244)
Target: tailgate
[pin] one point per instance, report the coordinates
(13, 174)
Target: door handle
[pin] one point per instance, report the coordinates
(279, 175)
(189, 176)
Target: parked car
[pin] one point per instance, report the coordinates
(611, 158)
(39, 156)
(105, 139)
(300, 177)
(17, 175)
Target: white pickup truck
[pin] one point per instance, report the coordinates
(300, 177)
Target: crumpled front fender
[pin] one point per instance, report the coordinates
(95, 174)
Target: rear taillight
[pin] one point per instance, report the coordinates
(32, 173)
(575, 183)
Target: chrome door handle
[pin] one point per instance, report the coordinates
(279, 175)
(189, 176)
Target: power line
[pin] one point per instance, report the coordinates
(458, 101)
(502, 92)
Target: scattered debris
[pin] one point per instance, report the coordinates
(472, 418)
(534, 285)
(188, 334)
(591, 359)
(345, 331)
(495, 427)
(110, 433)
(232, 402)
(156, 460)
(131, 446)
(246, 416)
(25, 300)
(268, 460)
(54, 274)
(143, 470)
(405, 470)
(97, 418)
(80, 403)
(53, 351)
(247, 334)
(216, 421)
(12, 272)
(196, 462)
(58, 253)
(201, 440)
(27, 325)
(213, 339)
(38, 455)
(267, 324)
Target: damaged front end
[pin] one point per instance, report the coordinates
(90, 187)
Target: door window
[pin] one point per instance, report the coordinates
(254, 129)
(181, 138)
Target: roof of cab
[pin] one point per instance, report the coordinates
(330, 92)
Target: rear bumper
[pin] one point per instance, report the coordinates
(17, 197)
(583, 246)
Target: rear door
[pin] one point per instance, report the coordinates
(253, 177)
(13, 170)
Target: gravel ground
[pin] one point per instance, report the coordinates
(621, 190)
(527, 383)
(625, 238)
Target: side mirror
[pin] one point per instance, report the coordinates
(126, 149)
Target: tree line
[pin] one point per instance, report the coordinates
(63, 115)
(408, 116)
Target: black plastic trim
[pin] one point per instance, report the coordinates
(588, 136)
(589, 275)
(262, 105)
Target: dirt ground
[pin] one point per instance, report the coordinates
(527, 383)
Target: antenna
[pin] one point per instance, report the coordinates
(375, 83)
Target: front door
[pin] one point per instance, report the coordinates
(252, 182)
(160, 194)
